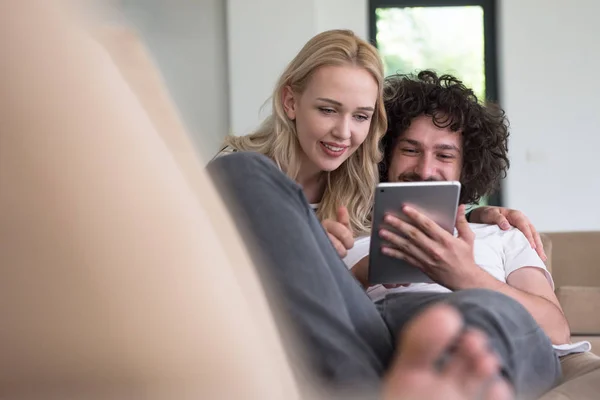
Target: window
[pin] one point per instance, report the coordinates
(448, 36)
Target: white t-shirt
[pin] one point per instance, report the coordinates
(498, 252)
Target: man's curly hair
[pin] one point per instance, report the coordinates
(450, 104)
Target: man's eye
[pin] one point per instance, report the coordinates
(409, 151)
(446, 156)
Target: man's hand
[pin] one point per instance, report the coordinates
(446, 259)
(504, 218)
(339, 232)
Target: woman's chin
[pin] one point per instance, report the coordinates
(330, 165)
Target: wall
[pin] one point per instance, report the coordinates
(542, 43)
(264, 36)
(549, 82)
(221, 60)
(188, 42)
(346, 14)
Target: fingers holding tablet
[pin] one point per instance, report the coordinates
(405, 239)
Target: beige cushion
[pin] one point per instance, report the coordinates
(581, 386)
(575, 258)
(580, 305)
(578, 364)
(594, 341)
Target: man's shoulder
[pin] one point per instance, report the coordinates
(508, 247)
(483, 231)
(511, 243)
(507, 241)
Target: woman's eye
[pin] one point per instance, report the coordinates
(326, 110)
(361, 117)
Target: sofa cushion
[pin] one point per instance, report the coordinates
(593, 339)
(575, 258)
(582, 387)
(580, 304)
(577, 364)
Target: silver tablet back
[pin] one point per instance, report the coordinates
(437, 200)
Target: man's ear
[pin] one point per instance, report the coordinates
(288, 99)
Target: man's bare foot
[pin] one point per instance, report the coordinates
(438, 360)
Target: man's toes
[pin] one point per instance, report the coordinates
(467, 368)
(475, 347)
(471, 364)
(427, 336)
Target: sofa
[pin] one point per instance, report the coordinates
(572, 259)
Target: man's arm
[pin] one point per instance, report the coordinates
(528, 286)
(449, 261)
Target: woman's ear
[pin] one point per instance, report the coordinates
(288, 99)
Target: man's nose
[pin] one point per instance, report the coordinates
(425, 168)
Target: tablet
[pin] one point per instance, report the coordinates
(437, 200)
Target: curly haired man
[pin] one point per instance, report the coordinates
(439, 131)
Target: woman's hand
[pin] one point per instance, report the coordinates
(339, 231)
(505, 218)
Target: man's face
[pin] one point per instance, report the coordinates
(426, 153)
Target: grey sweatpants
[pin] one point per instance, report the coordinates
(348, 339)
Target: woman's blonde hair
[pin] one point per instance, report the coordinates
(353, 183)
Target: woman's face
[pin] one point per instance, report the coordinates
(333, 114)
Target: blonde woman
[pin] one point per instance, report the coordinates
(326, 124)
(324, 131)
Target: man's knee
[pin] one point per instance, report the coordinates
(484, 298)
(513, 333)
